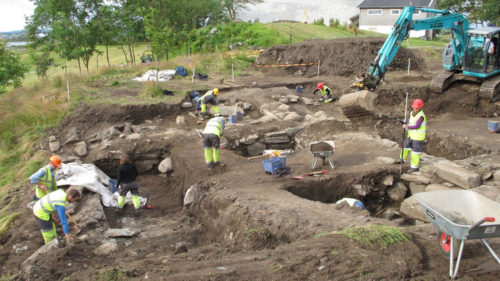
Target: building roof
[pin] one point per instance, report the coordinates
(394, 3)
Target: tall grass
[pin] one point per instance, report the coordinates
(375, 235)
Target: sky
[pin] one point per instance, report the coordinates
(12, 13)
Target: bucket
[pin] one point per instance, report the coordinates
(232, 119)
(298, 89)
(493, 125)
(239, 115)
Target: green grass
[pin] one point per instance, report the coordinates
(374, 235)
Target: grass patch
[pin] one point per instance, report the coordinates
(112, 274)
(374, 235)
(6, 217)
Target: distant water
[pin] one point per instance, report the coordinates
(14, 44)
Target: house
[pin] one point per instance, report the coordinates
(380, 15)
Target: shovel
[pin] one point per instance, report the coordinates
(78, 227)
(310, 174)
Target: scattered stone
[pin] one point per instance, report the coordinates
(81, 149)
(165, 166)
(416, 177)
(362, 189)
(121, 232)
(19, 248)
(106, 248)
(487, 175)
(255, 149)
(54, 146)
(180, 248)
(52, 138)
(293, 116)
(385, 160)
(186, 105)
(276, 137)
(180, 121)
(388, 180)
(397, 192)
(249, 140)
(291, 132)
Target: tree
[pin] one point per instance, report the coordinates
(232, 6)
(11, 69)
(477, 10)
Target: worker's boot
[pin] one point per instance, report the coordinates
(412, 170)
(138, 212)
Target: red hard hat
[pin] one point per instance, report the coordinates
(418, 103)
(320, 86)
(56, 160)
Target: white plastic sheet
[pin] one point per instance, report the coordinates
(150, 75)
(93, 179)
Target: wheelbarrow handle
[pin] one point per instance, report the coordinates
(481, 221)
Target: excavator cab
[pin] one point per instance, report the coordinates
(482, 53)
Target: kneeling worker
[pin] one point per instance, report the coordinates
(209, 97)
(49, 204)
(211, 140)
(326, 93)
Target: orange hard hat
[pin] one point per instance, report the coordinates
(216, 91)
(56, 160)
(320, 86)
(418, 103)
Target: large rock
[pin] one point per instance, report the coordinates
(458, 175)
(54, 146)
(121, 232)
(293, 116)
(411, 208)
(416, 177)
(362, 189)
(397, 192)
(255, 149)
(81, 149)
(416, 187)
(165, 166)
(106, 248)
(388, 180)
(277, 137)
(180, 121)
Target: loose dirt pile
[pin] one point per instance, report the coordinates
(339, 57)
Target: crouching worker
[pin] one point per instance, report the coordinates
(50, 204)
(127, 174)
(414, 141)
(209, 97)
(326, 93)
(211, 140)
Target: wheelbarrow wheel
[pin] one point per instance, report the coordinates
(444, 244)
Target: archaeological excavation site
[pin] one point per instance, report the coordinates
(252, 218)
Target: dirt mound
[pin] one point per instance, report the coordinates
(342, 57)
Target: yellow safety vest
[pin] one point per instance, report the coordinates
(213, 127)
(417, 134)
(49, 180)
(46, 206)
(323, 90)
(209, 93)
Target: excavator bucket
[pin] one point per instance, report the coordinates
(358, 104)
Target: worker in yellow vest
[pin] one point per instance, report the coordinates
(45, 179)
(211, 140)
(326, 93)
(50, 204)
(209, 97)
(414, 141)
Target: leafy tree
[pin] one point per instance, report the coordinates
(232, 6)
(477, 10)
(11, 69)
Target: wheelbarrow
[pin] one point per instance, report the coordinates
(460, 215)
(323, 150)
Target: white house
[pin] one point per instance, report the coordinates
(380, 15)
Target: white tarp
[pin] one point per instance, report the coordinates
(150, 75)
(93, 179)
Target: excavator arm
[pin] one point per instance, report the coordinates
(401, 30)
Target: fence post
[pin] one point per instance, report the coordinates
(232, 71)
(409, 63)
(192, 77)
(290, 35)
(67, 86)
(319, 62)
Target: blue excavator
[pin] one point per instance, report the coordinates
(471, 55)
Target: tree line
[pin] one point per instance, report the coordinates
(74, 28)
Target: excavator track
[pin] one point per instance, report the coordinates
(443, 80)
(490, 88)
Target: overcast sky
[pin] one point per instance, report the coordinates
(12, 13)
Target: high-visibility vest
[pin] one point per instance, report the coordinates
(49, 180)
(47, 205)
(213, 127)
(209, 93)
(417, 134)
(323, 90)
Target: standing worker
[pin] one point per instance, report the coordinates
(326, 93)
(414, 141)
(211, 140)
(45, 178)
(47, 206)
(127, 174)
(209, 97)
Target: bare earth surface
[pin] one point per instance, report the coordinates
(245, 224)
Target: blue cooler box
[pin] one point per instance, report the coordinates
(274, 164)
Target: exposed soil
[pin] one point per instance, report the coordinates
(250, 225)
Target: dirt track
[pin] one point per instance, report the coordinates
(253, 226)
